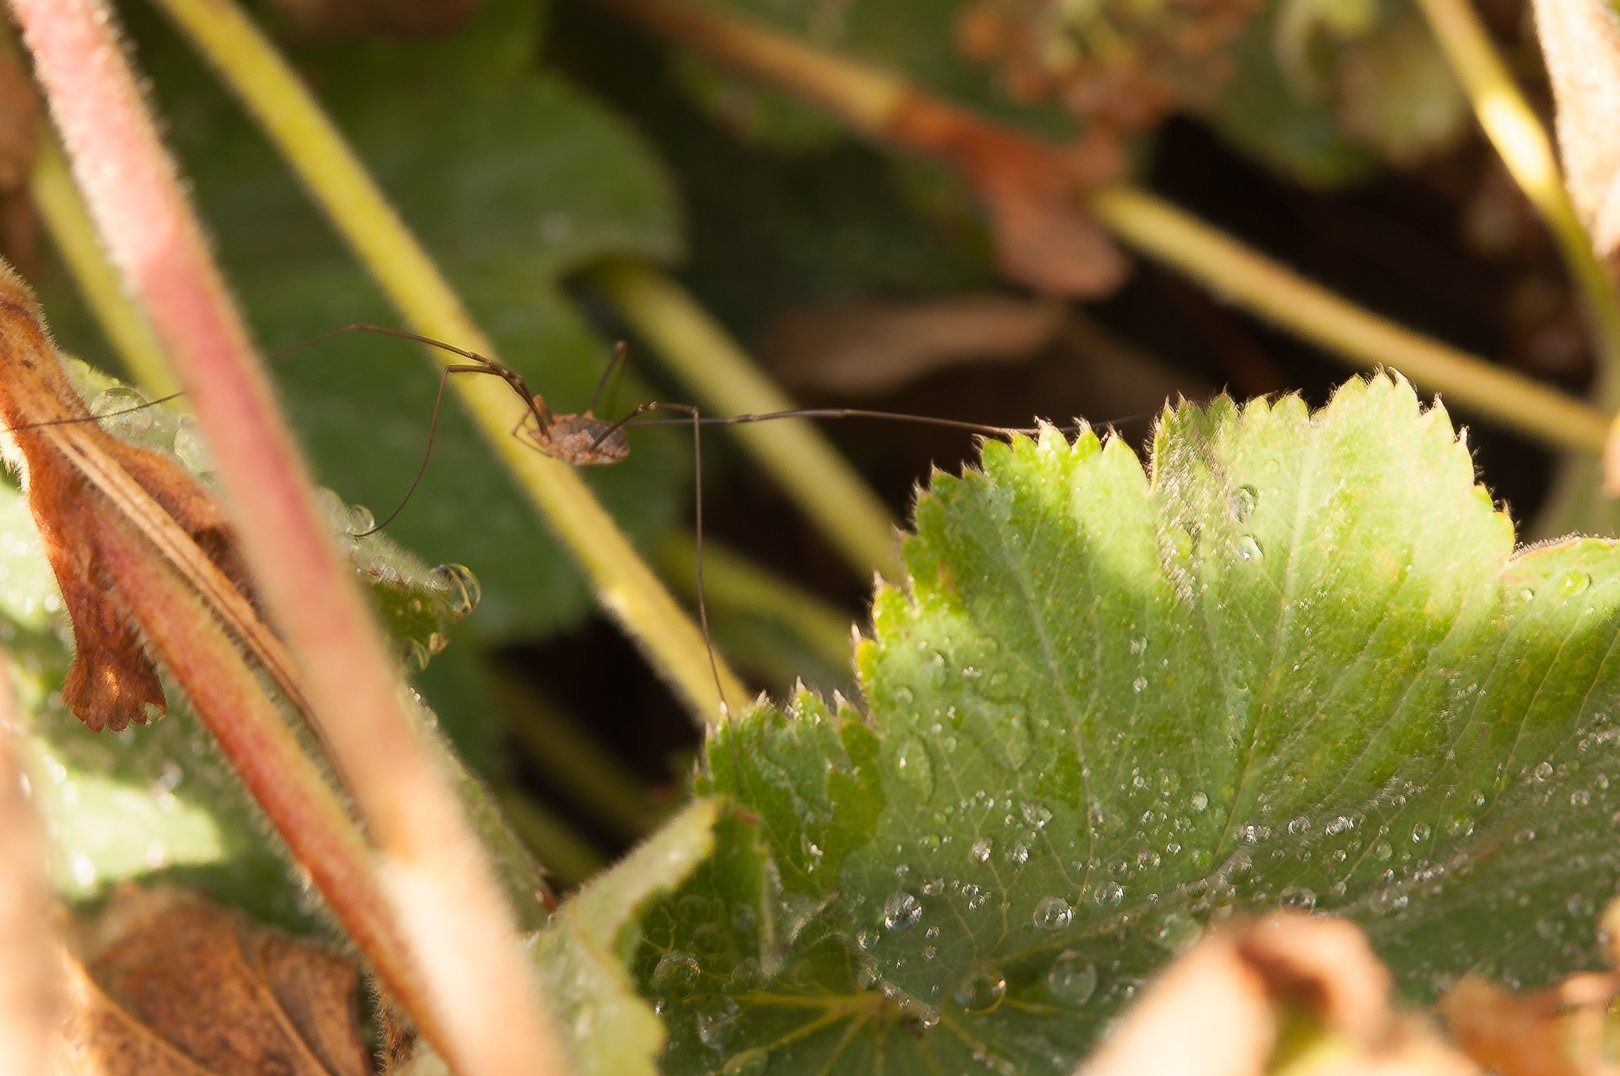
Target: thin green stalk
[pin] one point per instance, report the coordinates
(726, 381)
(1527, 151)
(1352, 333)
(67, 219)
(339, 184)
(737, 587)
(590, 776)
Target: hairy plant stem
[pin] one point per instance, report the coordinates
(887, 109)
(726, 381)
(459, 972)
(358, 210)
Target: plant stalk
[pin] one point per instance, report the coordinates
(463, 977)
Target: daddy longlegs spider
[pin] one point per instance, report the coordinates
(583, 439)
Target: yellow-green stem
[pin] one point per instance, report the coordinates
(1350, 332)
(726, 381)
(1527, 151)
(67, 219)
(340, 185)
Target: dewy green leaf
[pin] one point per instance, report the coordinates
(580, 953)
(1300, 665)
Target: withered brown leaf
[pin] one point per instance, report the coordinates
(112, 682)
(168, 982)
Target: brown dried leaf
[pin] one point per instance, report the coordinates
(168, 982)
(1560, 1031)
(1581, 42)
(867, 348)
(1033, 191)
(112, 683)
(1219, 1009)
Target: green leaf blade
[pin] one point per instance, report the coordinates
(1296, 663)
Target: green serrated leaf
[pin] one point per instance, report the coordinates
(1299, 665)
(581, 952)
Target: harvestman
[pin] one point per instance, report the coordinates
(583, 439)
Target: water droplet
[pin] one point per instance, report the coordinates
(1242, 502)
(117, 410)
(413, 655)
(1018, 854)
(460, 586)
(1036, 815)
(981, 991)
(916, 767)
(1072, 978)
(1053, 913)
(1382, 851)
(676, 974)
(980, 850)
(1200, 802)
(190, 447)
(1139, 685)
(1573, 582)
(901, 911)
(1421, 832)
(1109, 894)
(1297, 897)
(1248, 549)
(1178, 931)
(358, 520)
(1139, 644)
(1543, 771)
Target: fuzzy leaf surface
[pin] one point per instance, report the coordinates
(1296, 661)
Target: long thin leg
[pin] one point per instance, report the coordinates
(510, 376)
(616, 365)
(427, 451)
(840, 412)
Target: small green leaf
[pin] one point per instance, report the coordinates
(1300, 665)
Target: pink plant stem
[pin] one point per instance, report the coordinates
(481, 994)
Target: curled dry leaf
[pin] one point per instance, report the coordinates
(1581, 42)
(168, 982)
(867, 348)
(111, 683)
(1033, 192)
(1220, 1008)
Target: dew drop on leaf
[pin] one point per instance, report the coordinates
(1178, 930)
(980, 850)
(915, 767)
(1072, 978)
(1242, 502)
(1053, 913)
(117, 409)
(1200, 802)
(1110, 894)
(190, 447)
(460, 587)
(1573, 583)
(1248, 548)
(1297, 898)
(901, 910)
(413, 655)
(676, 974)
(981, 990)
